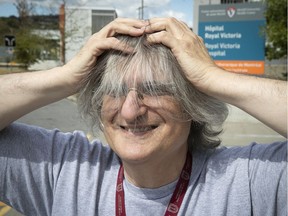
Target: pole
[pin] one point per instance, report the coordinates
(62, 33)
(142, 9)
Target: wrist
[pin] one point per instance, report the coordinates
(208, 79)
(54, 83)
(220, 84)
(65, 80)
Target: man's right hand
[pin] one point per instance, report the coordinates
(24, 92)
(103, 40)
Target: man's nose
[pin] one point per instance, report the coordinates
(133, 106)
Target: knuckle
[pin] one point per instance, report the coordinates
(172, 19)
(200, 38)
(186, 46)
(183, 23)
(117, 20)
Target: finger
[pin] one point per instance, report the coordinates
(116, 44)
(135, 22)
(169, 20)
(171, 25)
(164, 38)
(98, 47)
(131, 27)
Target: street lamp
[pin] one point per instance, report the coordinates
(141, 10)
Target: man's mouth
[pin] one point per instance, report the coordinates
(138, 129)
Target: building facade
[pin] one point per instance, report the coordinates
(81, 23)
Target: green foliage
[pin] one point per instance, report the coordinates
(28, 46)
(276, 29)
(8, 25)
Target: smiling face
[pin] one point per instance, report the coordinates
(142, 120)
(140, 127)
(145, 98)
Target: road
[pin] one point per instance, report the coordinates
(62, 115)
(242, 129)
(239, 129)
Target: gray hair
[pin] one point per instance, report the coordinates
(152, 62)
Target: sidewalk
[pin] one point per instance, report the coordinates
(242, 129)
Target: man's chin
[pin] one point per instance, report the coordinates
(135, 156)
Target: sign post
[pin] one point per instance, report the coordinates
(233, 36)
(10, 43)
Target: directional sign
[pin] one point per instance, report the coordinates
(10, 40)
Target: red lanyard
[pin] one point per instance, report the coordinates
(176, 199)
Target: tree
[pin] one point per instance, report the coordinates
(24, 10)
(28, 45)
(276, 29)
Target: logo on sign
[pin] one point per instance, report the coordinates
(10, 40)
(231, 11)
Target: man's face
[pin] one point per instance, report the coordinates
(139, 126)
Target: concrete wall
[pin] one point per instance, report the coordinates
(77, 29)
(80, 24)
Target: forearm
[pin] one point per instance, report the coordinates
(265, 99)
(22, 93)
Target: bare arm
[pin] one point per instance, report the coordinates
(24, 92)
(265, 99)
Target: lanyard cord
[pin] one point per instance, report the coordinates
(176, 199)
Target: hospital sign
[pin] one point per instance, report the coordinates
(233, 35)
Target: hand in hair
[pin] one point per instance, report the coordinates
(24, 92)
(265, 99)
(103, 40)
(187, 47)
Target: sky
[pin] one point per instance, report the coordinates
(181, 9)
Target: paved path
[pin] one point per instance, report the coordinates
(242, 129)
(239, 129)
(62, 115)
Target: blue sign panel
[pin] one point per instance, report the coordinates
(242, 40)
(234, 35)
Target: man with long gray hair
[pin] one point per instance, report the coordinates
(160, 100)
